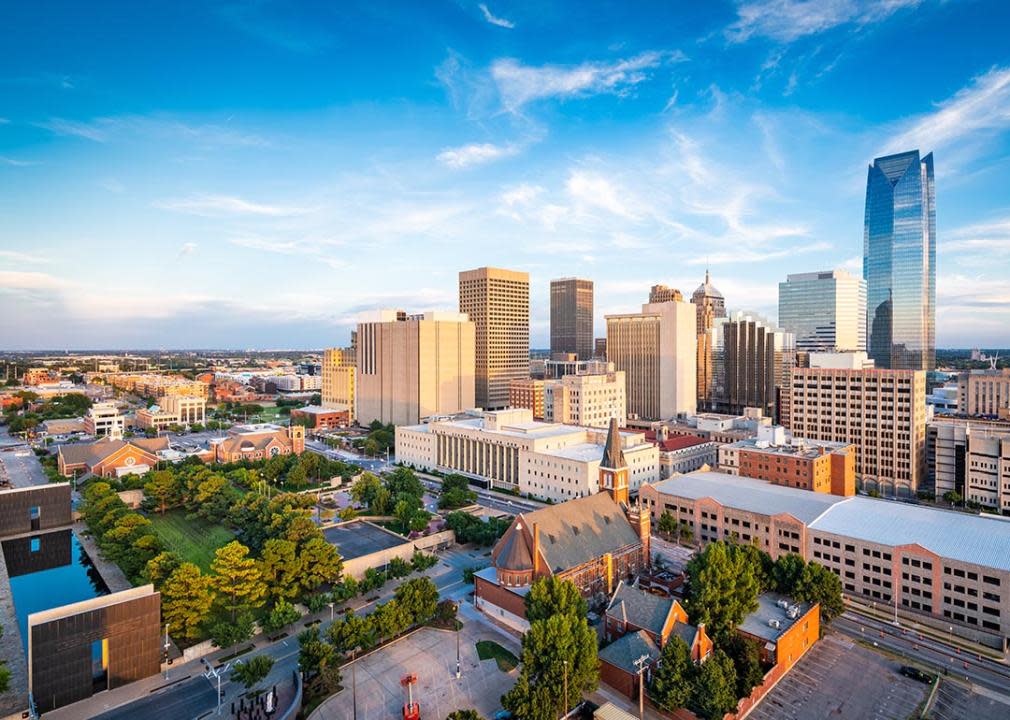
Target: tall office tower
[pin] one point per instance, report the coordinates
(656, 350)
(751, 361)
(662, 293)
(826, 311)
(709, 304)
(414, 367)
(600, 349)
(899, 262)
(572, 317)
(498, 303)
(338, 380)
(881, 412)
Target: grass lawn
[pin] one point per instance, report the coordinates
(192, 540)
(488, 649)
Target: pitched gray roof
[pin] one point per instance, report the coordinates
(743, 493)
(624, 651)
(515, 554)
(580, 530)
(642, 609)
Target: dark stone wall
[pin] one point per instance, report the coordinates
(60, 650)
(53, 502)
(53, 552)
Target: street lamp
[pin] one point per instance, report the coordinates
(331, 611)
(217, 675)
(166, 650)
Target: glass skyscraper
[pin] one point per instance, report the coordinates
(826, 311)
(899, 262)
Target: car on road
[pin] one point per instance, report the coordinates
(916, 674)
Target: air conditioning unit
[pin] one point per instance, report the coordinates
(774, 623)
(794, 612)
(783, 603)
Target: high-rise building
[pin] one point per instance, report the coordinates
(899, 261)
(656, 350)
(498, 303)
(881, 412)
(572, 317)
(751, 360)
(662, 293)
(586, 400)
(971, 458)
(709, 304)
(600, 348)
(338, 380)
(826, 311)
(413, 368)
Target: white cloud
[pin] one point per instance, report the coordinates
(14, 162)
(494, 20)
(72, 128)
(475, 154)
(521, 84)
(789, 20)
(214, 205)
(286, 247)
(22, 280)
(592, 190)
(746, 255)
(187, 249)
(105, 129)
(981, 107)
(21, 257)
(985, 238)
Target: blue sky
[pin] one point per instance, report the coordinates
(253, 174)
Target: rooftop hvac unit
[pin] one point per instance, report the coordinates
(794, 612)
(783, 603)
(774, 623)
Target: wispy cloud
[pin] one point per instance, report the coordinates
(981, 107)
(593, 190)
(987, 238)
(494, 20)
(14, 162)
(789, 20)
(105, 129)
(21, 257)
(520, 84)
(214, 205)
(745, 255)
(73, 128)
(475, 154)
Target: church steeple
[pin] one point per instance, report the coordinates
(613, 468)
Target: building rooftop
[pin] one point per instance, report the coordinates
(315, 410)
(642, 609)
(624, 651)
(959, 536)
(748, 494)
(774, 616)
(797, 448)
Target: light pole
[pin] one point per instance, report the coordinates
(566, 687)
(640, 665)
(458, 673)
(331, 611)
(166, 650)
(354, 690)
(216, 674)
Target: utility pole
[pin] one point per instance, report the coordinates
(354, 690)
(640, 665)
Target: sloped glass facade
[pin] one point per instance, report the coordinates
(899, 262)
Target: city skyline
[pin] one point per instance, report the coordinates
(294, 168)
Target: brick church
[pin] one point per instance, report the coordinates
(594, 541)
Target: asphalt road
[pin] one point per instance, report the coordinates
(934, 654)
(184, 701)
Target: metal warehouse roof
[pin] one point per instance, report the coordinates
(748, 494)
(949, 534)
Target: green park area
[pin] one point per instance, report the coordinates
(192, 538)
(490, 650)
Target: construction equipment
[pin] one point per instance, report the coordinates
(411, 710)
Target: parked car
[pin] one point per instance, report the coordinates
(916, 674)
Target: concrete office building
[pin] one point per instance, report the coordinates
(942, 568)
(881, 412)
(985, 392)
(656, 349)
(572, 317)
(528, 394)
(588, 400)
(103, 419)
(825, 311)
(814, 465)
(751, 360)
(662, 293)
(710, 305)
(600, 349)
(511, 450)
(173, 410)
(971, 458)
(338, 381)
(498, 303)
(413, 368)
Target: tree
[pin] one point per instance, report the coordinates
(467, 714)
(214, 497)
(321, 563)
(281, 615)
(297, 477)
(713, 692)
(746, 657)
(252, 671)
(786, 573)
(953, 497)
(186, 598)
(364, 490)
(670, 687)
(313, 652)
(160, 568)
(550, 596)
(390, 619)
(225, 632)
(817, 584)
(351, 633)
(667, 524)
(456, 492)
(548, 645)
(163, 489)
(237, 578)
(281, 568)
(722, 589)
(419, 598)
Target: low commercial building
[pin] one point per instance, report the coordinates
(592, 400)
(783, 629)
(529, 394)
(508, 448)
(173, 410)
(322, 418)
(682, 453)
(815, 465)
(985, 393)
(65, 426)
(258, 442)
(157, 386)
(942, 568)
(972, 458)
(103, 419)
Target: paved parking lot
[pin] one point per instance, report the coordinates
(840, 679)
(954, 701)
(431, 655)
(20, 468)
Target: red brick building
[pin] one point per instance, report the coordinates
(109, 457)
(321, 418)
(258, 442)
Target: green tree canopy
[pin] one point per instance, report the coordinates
(253, 671)
(714, 689)
(237, 578)
(670, 687)
(186, 598)
(551, 596)
(722, 589)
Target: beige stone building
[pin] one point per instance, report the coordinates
(937, 567)
(413, 368)
(498, 303)
(589, 400)
(656, 350)
(511, 450)
(103, 419)
(173, 410)
(338, 381)
(971, 458)
(985, 392)
(881, 412)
